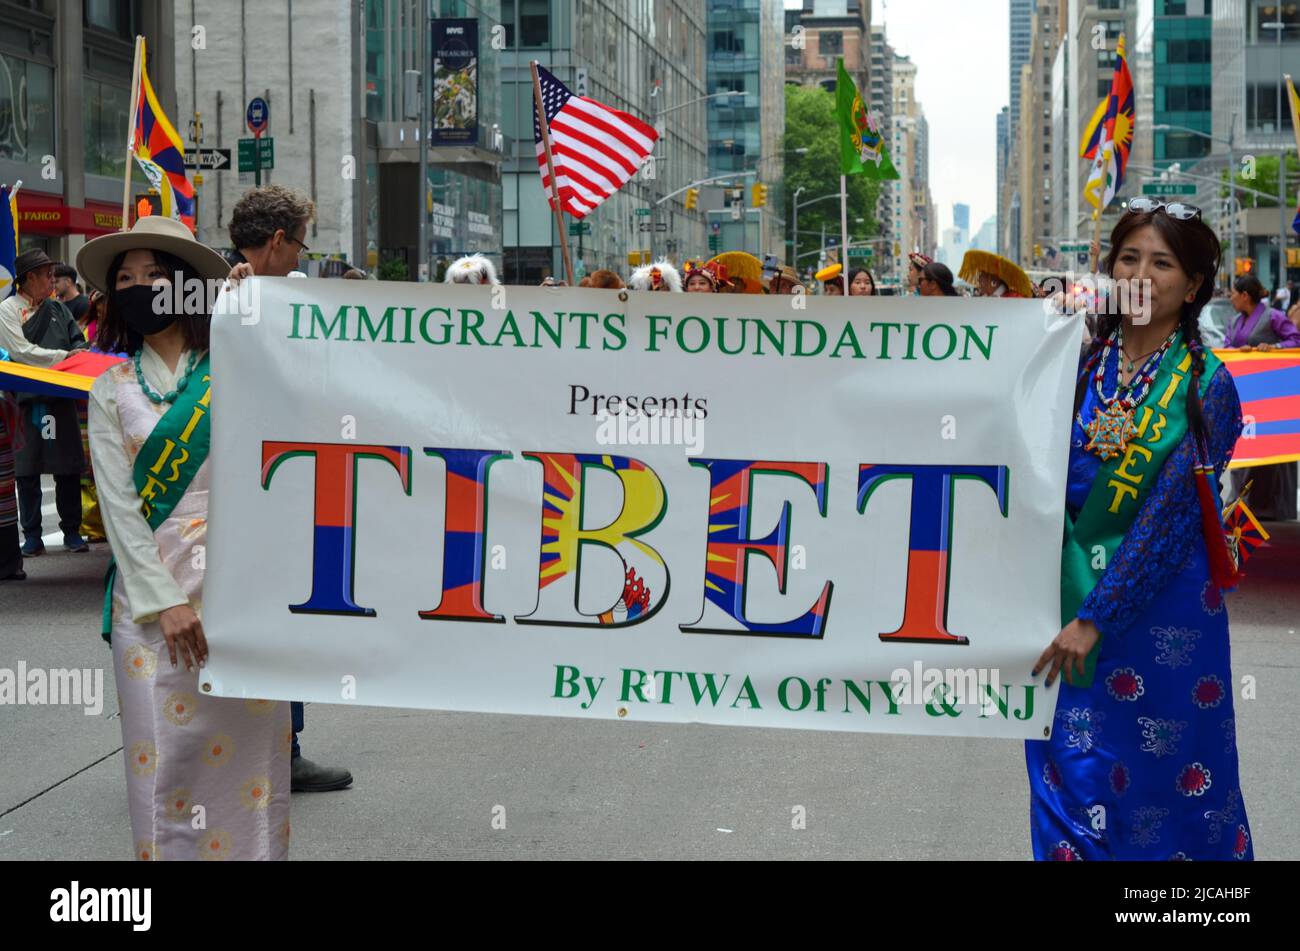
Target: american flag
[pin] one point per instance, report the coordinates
(595, 149)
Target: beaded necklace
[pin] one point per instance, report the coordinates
(1112, 425)
(170, 396)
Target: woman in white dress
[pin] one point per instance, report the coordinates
(207, 777)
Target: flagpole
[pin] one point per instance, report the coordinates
(130, 136)
(550, 168)
(844, 232)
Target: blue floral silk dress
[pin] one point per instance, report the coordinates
(1143, 764)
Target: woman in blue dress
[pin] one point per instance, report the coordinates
(1142, 758)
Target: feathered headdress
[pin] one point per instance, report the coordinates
(715, 272)
(660, 276)
(473, 269)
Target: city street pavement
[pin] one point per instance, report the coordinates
(427, 783)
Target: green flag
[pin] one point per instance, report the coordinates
(862, 142)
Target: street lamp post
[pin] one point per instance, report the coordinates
(1232, 170)
(1277, 26)
(794, 244)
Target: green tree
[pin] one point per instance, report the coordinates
(1264, 180)
(810, 124)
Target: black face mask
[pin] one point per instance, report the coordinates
(136, 305)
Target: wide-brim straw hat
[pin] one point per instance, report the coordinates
(150, 233)
(1006, 271)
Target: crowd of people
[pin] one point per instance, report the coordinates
(1166, 569)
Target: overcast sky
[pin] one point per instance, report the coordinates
(961, 49)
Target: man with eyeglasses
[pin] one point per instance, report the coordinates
(267, 227)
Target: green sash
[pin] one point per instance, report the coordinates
(1123, 483)
(168, 462)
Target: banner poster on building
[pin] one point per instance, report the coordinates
(455, 82)
(832, 514)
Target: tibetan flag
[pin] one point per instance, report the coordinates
(1243, 530)
(595, 149)
(69, 379)
(1268, 384)
(1295, 127)
(159, 152)
(1115, 137)
(8, 238)
(1091, 137)
(862, 141)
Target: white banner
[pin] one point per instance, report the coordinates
(836, 514)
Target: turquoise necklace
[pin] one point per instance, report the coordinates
(169, 397)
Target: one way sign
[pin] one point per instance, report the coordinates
(216, 160)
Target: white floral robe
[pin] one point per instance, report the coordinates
(183, 750)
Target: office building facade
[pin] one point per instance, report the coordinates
(65, 90)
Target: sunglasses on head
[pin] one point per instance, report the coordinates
(1176, 209)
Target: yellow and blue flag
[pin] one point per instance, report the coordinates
(8, 237)
(1295, 125)
(1113, 138)
(159, 152)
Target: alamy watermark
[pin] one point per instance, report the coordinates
(58, 686)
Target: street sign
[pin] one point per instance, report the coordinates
(1168, 188)
(643, 226)
(642, 212)
(861, 253)
(249, 160)
(661, 226)
(1073, 248)
(579, 227)
(715, 242)
(258, 115)
(216, 160)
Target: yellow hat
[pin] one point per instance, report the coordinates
(1008, 272)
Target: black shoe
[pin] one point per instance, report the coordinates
(306, 776)
(18, 575)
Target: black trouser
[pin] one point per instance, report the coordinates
(67, 498)
(11, 556)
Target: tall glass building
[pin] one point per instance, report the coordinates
(65, 91)
(746, 54)
(645, 58)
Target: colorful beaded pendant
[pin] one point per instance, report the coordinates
(1110, 430)
(1112, 425)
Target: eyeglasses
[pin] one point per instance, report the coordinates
(1177, 209)
(304, 247)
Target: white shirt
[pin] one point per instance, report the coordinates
(150, 587)
(14, 310)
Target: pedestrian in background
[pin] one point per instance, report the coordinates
(1260, 327)
(267, 228)
(937, 281)
(38, 330)
(862, 283)
(69, 292)
(11, 554)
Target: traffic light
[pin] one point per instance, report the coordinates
(758, 195)
(146, 205)
(1038, 250)
(1245, 266)
(692, 199)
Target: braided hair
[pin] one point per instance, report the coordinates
(1197, 250)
